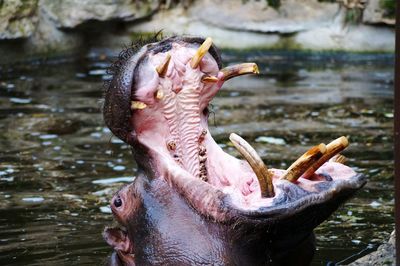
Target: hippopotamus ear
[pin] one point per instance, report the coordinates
(118, 240)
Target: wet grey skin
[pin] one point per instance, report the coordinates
(199, 212)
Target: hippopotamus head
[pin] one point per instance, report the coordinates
(191, 202)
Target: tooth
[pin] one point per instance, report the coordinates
(304, 162)
(159, 94)
(239, 69)
(209, 79)
(163, 67)
(332, 149)
(137, 105)
(339, 159)
(201, 52)
(263, 174)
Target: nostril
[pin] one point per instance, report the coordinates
(118, 202)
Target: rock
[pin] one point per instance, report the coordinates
(71, 13)
(385, 255)
(17, 18)
(377, 13)
(295, 25)
(179, 21)
(348, 37)
(46, 28)
(256, 16)
(45, 41)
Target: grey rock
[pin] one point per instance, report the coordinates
(348, 37)
(255, 25)
(385, 255)
(17, 18)
(256, 16)
(71, 13)
(374, 13)
(45, 28)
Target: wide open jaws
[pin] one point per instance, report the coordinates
(169, 99)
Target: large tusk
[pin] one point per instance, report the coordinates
(304, 162)
(264, 176)
(239, 69)
(332, 149)
(163, 67)
(137, 105)
(201, 52)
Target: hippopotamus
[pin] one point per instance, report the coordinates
(191, 203)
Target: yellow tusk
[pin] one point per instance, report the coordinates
(332, 149)
(163, 67)
(239, 69)
(304, 162)
(201, 52)
(263, 175)
(137, 105)
(209, 79)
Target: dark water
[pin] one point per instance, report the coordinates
(59, 165)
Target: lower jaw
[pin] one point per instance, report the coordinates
(236, 178)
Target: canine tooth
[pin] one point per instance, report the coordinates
(339, 159)
(239, 69)
(201, 52)
(304, 162)
(264, 176)
(332, 149)
(209, 79)
(137, 105)
(159, 94)
(163, 67)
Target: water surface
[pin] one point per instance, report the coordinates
(59, 164)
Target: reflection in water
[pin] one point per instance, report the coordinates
(59, 165)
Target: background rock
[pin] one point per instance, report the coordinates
(17, 18)
(379, 12)
(72, 13)
(257, 16)
(306, 24)
(47, 28)
(385, 255)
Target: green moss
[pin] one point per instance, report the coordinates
(27, 8)
(389, 7)
(286, 43)
(353, 15)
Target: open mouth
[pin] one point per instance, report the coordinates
(169, 87)
(174, 89)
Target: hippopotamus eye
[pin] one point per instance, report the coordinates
(118, 202)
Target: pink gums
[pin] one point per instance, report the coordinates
(175, 129)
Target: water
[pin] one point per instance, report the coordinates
(59, 165)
